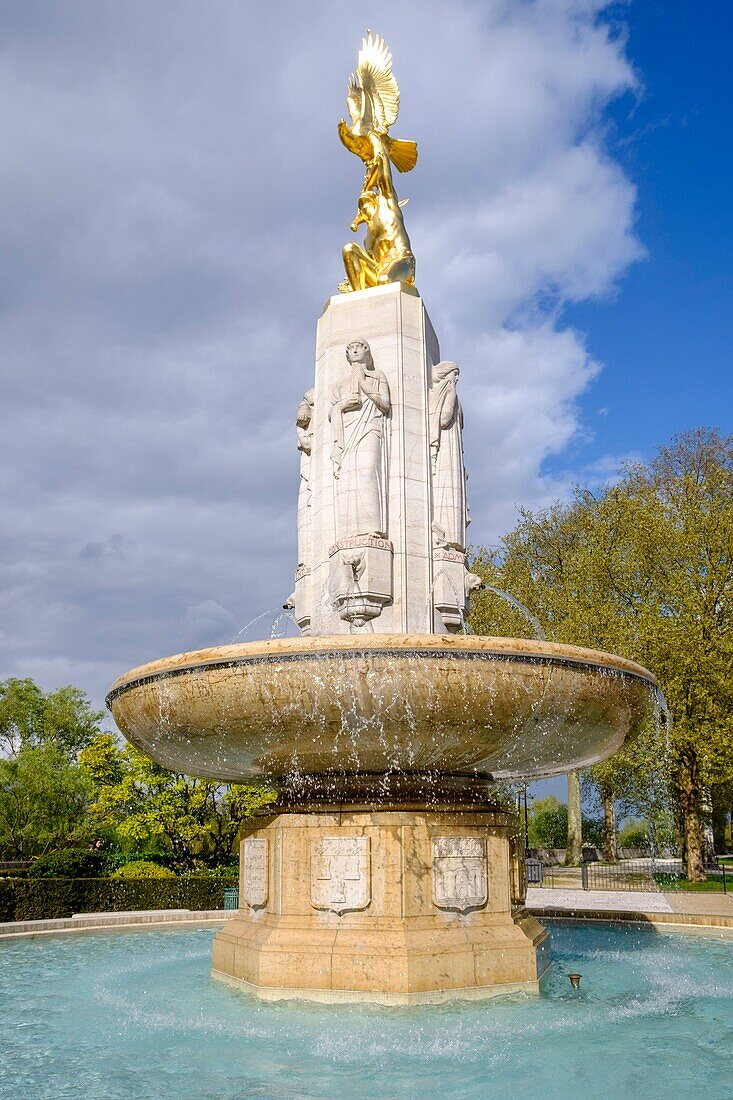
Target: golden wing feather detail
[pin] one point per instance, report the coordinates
(374, 74)
(403, 154)
(354, 100)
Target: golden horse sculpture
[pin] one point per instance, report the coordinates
(373, 100)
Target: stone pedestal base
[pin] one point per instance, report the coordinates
(396, 907)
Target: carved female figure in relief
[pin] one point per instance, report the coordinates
(446, 451)
(360, 405)
(304, 430)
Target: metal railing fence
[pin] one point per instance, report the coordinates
(649, 874)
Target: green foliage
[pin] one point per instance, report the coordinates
(118, 859)
(43, 793)
(634, 835)
(505, 795)
(30, 717)
(146, 805)
(593, 831)
(72, 863)
(46, 898)
(230, 870)
(643, 569)
(142, 868)
(548, 823)
(721, 797)
(63, 784)
(43, 802)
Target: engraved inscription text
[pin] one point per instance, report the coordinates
(255, 872)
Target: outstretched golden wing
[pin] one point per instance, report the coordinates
(374, 73)
(355, 101)
(403, 154)
(355, 144)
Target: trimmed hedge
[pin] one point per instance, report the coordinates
(48, 898)
(71, 863)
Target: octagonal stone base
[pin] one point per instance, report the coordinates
(396, 907)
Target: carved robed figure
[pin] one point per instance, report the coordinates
(446, 449)
(360, 406)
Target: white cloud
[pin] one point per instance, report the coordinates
(173, 200)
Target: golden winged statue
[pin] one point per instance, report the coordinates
(373, 100)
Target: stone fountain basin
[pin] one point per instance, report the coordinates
(506, 707)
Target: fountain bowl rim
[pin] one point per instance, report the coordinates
(441, 646)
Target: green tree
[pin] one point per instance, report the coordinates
(43, 802)
(30, 717)
(643, 569)
(635, 782)
(602, 781)
(548, 823)
(635, 835)
(722, 807)
(150, 807)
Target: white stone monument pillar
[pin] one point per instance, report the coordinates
(371, 548)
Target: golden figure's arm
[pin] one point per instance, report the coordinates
(379, 172)
(360, 146)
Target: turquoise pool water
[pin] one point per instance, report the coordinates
(135, 1016)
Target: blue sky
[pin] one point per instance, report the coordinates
(666, 336)
(173, 202)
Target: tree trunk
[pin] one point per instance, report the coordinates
(610, 846)
(688, 781)
(708, 839)
(574, 849)
(719, 819)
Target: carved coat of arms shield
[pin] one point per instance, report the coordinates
(340, 873)
(459, 873)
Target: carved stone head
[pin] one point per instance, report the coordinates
(358, 351)
(445, 370)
